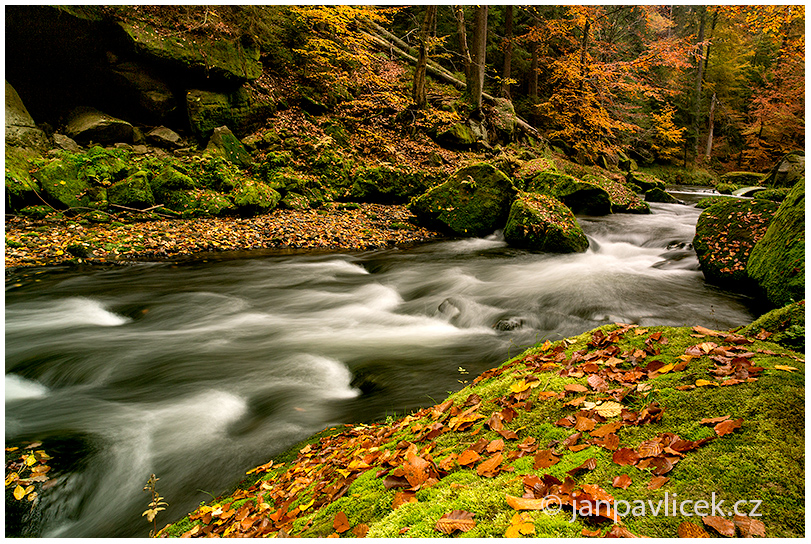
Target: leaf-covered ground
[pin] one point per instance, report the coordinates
(590, 436)
(336, 226)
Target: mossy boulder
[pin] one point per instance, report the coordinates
(660, 195)
(390, 185)
(224, 144)
(644, 181)
(787, 171)
(777, 262)
(784, 326)
(529, 169)
(100, 166)
(580, 196)
(133, 192)
(775, 195)
(61, 183)
(299, 192)
(457, 136)
(742, 179)
(21, 187)
(623, 198)
(253, 197)
(230, 60)
(168, 180)
(475, 201)
(725, 235)
(543, 223)
(86, 124)
(36, 212)
(706, 202)
(199, 203)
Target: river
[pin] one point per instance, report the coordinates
(199, 371)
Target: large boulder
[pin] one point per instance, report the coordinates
(623, 199)
(225, 60)
(543, 223)
(21, 130)
(784, 326)
(133, 192)
(253, 197)
(223, 143)
(580, 196)
(475, 201)
(87, 124)
(725, 235)
(61, 183)
(169, 180)
(199, 203)
(777, 262)
(644, 181)
(21, 187)
(787, 171)
(387, 184)
(142, 85)
(503, 119)
(458, 136)
(742, 179)
(660, 195)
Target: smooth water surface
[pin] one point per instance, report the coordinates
(200, 371)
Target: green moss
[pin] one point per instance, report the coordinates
(21, 188)
(390, 185)
(742, 179)
(623, 198)
(727, 188)
(644, 181)
(579, 195)
(199, 203)
(61, 183)
(253, 197)
(133, 192)
(712, 200)
(777, 262)
(169, 179)
(543, 223)
(660, 195)
(725, 235)
(777, 195)
(475, 201)
(787, 325)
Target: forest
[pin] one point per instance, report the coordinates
(405, 271)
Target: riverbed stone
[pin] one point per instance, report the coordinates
(725, 235)
(579, 195)
(777, 262)
(644, 181)
(475, 201)
(660, 195)
(544, 223)
(66, 143)
(164, 137)
(742, 179)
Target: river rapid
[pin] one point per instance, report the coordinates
(199, 371)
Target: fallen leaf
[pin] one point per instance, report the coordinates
(786, 368)
(544, 459)
(520, 503)
(586, 532)
(588, 464)
(489, 468)
(495, 445)
(691, 530)
(727, 427)
(723, 526)
(457, 520)
(605, 430)
(340, 523)
(704, 383)
(749, 527)
(625, 456)
(609, 409)
(520, 524)
(468, 458)
(622, 481)
(713, 420)
(360, 530)
(403, 497)
(657, 481)
(575, 388)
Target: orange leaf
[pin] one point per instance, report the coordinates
(340, 523)
(490, 467)
(622, 481)
(520, 503)
(713, 420)
(520, 524)
(723, 526)
(545, 459)
(691, 530)
(749, 527)
(360, 530)
(657, 481)
(403, 497)
(468, 458)
(726, 427)
(457, 520)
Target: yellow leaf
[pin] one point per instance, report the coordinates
(304, 507)
(667, 368)
(32, 496)
(786, 368)
(519, 387)
(30, 460)
(19, 492)
(609, 409)
(703, 383)
(11, 478)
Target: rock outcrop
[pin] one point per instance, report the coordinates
(543, 223)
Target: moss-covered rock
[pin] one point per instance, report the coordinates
(579, 195)
(253, 197)
(529, 169)
(199, 203)
(706, 202)
(226, 60)
(644, 181)
(777, 262)
(214, 172)
(742, 179)
(390, 185)
(543, 223)
(660, 195)
(21, 130)
(475, 201)
(61, 183)
(36, 212)
(101, 166)
(623, 198)
(725, 235)
(224, 144)
(787, 171)
(169, 179)
(775, 195)
(457, 136)
(785, 326)
(133, 192)
(240, 110)
(21, 187)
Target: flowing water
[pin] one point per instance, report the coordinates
(200, 371)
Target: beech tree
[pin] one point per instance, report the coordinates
(475, 84)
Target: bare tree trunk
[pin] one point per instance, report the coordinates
(419, 94)
(462, 33)
(699, 76)
(476, 84)
(712, 122)
(533, 76)
(508, 53)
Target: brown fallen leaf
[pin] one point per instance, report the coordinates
(586, 532)
(605, 430)
(625, 456)
(544, 459)
(657, 481)
(618, 531)
(727, 427)
(749, 527)
(495, 445)
(588, 464)
(622, 481)
(457, 520)
(340, 523)
(489, 468)
(468, 458)
(575, 388)
(713, 420)
(403, 497)
(691, 530)
(360, 530)
(520, 524)
(724, 526)
(520, 503)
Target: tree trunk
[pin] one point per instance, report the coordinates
(419, 94)
(533, 76)
(712, 122)
(475, 85)
(508, 53)
(462, 32)
(584, 47)
(699, 77)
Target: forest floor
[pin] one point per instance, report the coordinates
(353, 227)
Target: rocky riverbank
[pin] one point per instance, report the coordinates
(336, 226)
